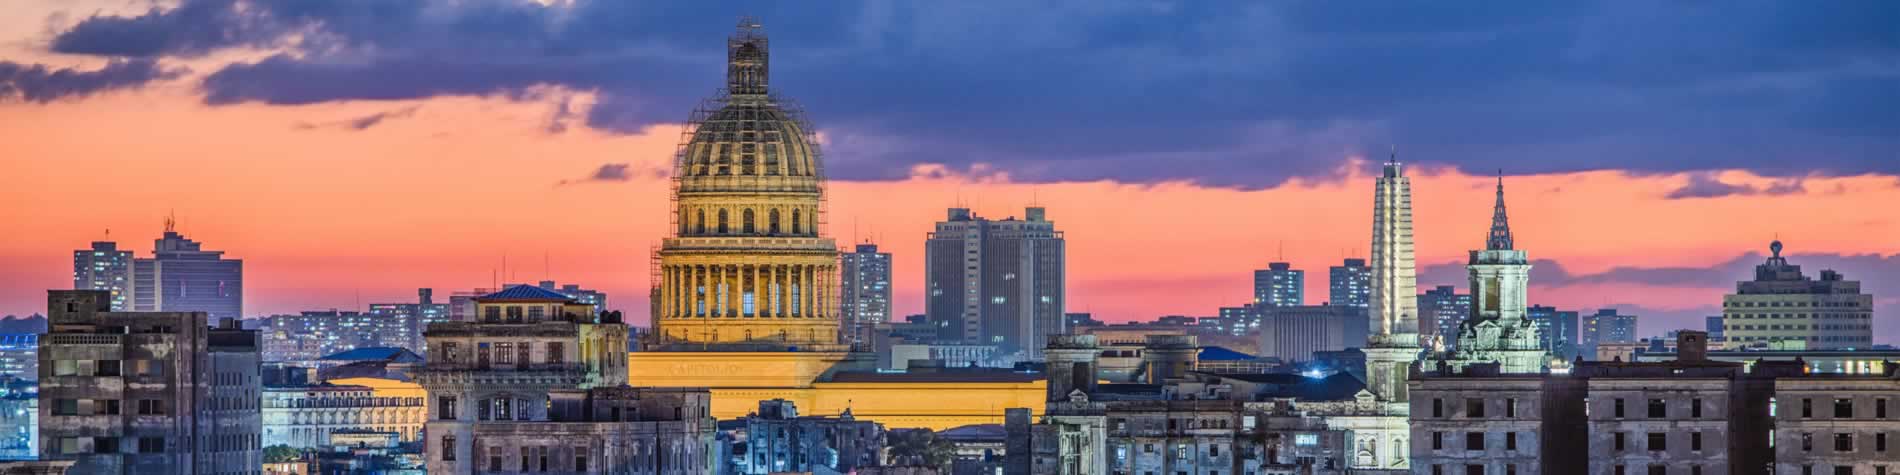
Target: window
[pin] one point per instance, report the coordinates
(1619, 470)
(1510, 469)
(1880, 408)
(514, 314)
(445, 409)
(555, 354)
(151, 407)
(1807, 442)
(492, 314)
(1843, 470)
(1618, 444)
(1880, 442)
(522, 351)
(494, 459)
(1474, 469)
(151, 445)
(1438, 470)
(1843, 442)
(1658, 409)
(1843, 408)
(1619, 408)
(580, 460)
(1807, 408)
(505, 353)
(1438, 408)
(448, 350)
(65, 407)
(1695, 408)
(1695, 470)
(1438, 441)
(1658, 441)
(1658, 470)
(1510, 441)
(105, 445)
(1695, 441)
(1474, 408)
(448, 445)
(1510, 407)
(1474, 441)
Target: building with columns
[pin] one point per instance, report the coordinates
(1497, 331)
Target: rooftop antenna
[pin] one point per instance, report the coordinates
(171, 220)
(545, 273)
(1282, 256)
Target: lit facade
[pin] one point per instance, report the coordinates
(1606, 327)
(304, 417)
(1279, 285)
(866, 297)
(996, 282)
(1349, 284)
(416, 315)
(20, 355)
(183, 277)
(1392, 345)
(1785, 310)
(1557, 330)
(315, 334)
(104, 267)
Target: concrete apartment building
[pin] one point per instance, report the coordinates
(1279, 285)
(181, 276)
(866, 292)
(146, 392)
(996, 282)
(778, 440)
(1349, 284)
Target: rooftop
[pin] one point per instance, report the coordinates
(397, 355)
(525, 293)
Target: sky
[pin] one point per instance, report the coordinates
(351, 151)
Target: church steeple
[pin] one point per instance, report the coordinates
(748, 58)
(1500, 239)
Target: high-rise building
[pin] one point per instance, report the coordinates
(310, 335)
(183, 277)
(1783, 309)
(1442, 310)
(416, 316)
(1296, 333)
(104, 267)
(867, 291)
(1606, 326)
(1350, 284)
(1279, 285)
(536, 367)
(176, 396)
(996, 282)
(1393, 343)
(1556, 330)
(1497, 330)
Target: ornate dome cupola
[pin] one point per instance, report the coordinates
(747, 264)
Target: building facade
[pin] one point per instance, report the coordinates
(104, 267)
(778, 440)
(1350, 284)
(996, 282)
(1442, 311)
(1279, 285)
(1605, 327)
(866, 297)
(183, 277)
(19, 418)
(1556, 330)
(1497, 330)
(311, 335)
(305, 417)
(19, 355)
(1783, 309)
(1296, 333)
(146, 392)
(417, 315)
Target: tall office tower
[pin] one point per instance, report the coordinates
(867, 291)
(1783, 309)
(183, 277)
(1556, 330)
(595, 298)
(537, 383)
(1606, 326)
(748, 263)
(996, 282)
(1350, 284)
(413, 316)
(104, 267)
(1442, 310)
(1392, 346)
(1497, 330)
(146, 392)
(1279, 285)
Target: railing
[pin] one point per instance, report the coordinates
(82, 339)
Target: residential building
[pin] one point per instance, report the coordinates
(1442, 311)
(1279, 285)
(779, 440)
(1350, 284)
(866, 291)
(1837, 424)
(1296, 333)
(1605, 327)
(20, 355)
(307, 416)
(181, 276)
(104, 267)
(416, 316)
(311, 335)
(1556, 330)
(996, 282)
(193, 389)
(1783, 309)
(537, 383)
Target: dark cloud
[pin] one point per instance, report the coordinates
(617, 172)
(1226, 93)
(364, 122)
(1707, 185)
(39, 83)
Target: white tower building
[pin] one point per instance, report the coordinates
(1497, 330)
(1392, 344)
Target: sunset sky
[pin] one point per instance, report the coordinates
(351, 151)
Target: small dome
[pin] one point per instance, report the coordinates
(1775, 247)
(749, 137)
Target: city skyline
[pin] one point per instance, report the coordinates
(356, 184)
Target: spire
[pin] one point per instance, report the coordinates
(1500, 239)
(748, 58)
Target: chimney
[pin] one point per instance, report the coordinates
(1692, 345)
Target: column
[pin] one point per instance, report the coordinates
(758, 288)
(810, 295)
(666, 291)
(717, 291)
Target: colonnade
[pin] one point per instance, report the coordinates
(749, 291)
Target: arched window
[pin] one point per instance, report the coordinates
(771, 222)
(745, 222)
(699, 223)
(796, 226)
(722, 221)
